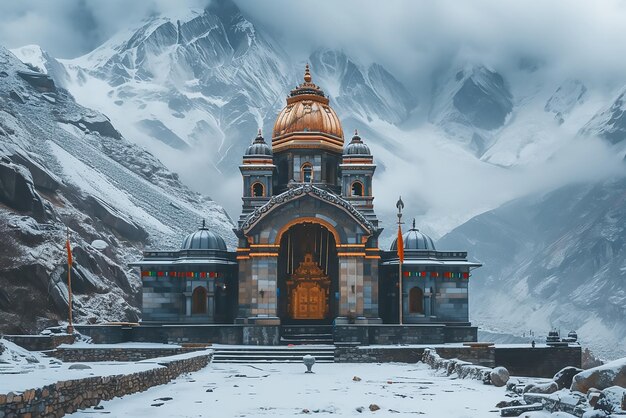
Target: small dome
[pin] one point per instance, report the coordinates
(414, 240)
(259, 147)
(203, 239)
(356, 147)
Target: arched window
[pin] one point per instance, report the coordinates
(258, 190)
(198, 300)
(357, 188)
(416, 300)
(307, 173)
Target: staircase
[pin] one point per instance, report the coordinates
(277, 354)
(306, 334)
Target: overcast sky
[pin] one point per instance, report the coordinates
(579, 36)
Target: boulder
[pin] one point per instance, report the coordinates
(117, 220)
(41, 176)
(601, 377)
(564, 377)
(499, 376)
(17, 190)
(545, 388)
(79, 366)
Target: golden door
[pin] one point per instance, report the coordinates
(308, 301)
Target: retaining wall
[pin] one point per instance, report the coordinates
(40, 342)
(68, 396)
(85, 355)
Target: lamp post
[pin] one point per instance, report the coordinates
(400, 248)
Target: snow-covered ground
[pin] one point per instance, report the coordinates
(233, 390)
(21, 369)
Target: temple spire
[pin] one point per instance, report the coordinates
(307, 74)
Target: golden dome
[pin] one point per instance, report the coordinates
(307, 121)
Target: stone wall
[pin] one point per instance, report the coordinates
(539, 361)
(386, 334)
(112, 334)
(378, 355)
(40, 342)
(483, 356)
(65, 397)
(86, 355)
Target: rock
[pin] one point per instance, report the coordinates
(594, 414)
(18, 191)
(564, 377)
(592, 398)
(42, 177)
(611, 399)
(374, 407)
(356, 379)
(360, 409)
(506, 404)
(117, 220)
(601, 377)
(499, 376)
(545, 388)
(99, 245)
(79, 366)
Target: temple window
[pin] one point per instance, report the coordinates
(307, 173)
(416, 300)
(198, 300)
(258, 190)
(357, 188)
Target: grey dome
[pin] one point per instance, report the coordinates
(413, 240)
(356, 147)
(259, 147)
(203, 239)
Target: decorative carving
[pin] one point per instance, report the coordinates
(308, 291)
(295, 193)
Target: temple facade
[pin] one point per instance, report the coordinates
(308, 251)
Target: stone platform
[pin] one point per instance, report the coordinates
(247, 334)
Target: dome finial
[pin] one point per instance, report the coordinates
(203, 224)
(356, 132)
(413, 223)
(307, 74)
(260, 133)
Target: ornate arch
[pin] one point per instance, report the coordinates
(298, 192)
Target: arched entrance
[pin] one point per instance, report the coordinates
(416, 301)
(199, 301)
(307, 275)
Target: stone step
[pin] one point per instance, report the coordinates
(322, 354)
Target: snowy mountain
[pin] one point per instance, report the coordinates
(472, 104)
(65, 166)
(610, 123)
(553, 261)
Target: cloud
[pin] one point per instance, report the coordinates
(415, 37)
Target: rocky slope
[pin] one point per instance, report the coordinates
(65, 166)
(553, 261)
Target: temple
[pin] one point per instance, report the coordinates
(308, 252)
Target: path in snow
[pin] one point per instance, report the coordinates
(234, 390)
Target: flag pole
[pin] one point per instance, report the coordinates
(400, 248)
(70, 326)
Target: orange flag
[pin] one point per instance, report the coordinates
(69, 252)
(400, 245)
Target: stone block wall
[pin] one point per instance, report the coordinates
(40, 342)
(539, 361)
(378, 355)
(66, 397)
(86, 355)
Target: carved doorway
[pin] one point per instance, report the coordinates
(307, 275)
(308, 291)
